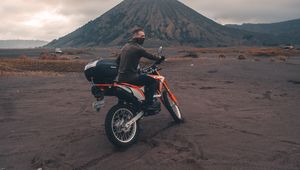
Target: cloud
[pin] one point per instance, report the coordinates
(245, 11)
(47, 19)
(50, 19)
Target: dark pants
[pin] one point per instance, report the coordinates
(150, 86)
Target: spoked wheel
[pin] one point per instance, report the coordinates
(172, 107)
(115, 126)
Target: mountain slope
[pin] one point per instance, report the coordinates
(21, 43)
(165, 21)
(285, 32)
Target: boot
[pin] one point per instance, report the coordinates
(152, 108)
(155, 105)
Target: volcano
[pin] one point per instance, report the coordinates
(166, 22)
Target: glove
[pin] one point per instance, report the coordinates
(162, 58)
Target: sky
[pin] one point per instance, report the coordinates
(51, 19)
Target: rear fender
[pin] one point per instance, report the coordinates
(135, 91)
(125, 94)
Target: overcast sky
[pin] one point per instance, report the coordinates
(50, 19)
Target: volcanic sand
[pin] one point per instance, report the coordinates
(240, 114)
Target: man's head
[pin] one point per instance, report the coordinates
(138, 36)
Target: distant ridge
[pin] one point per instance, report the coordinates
(22, 43)
(167, 22)
(286, 32)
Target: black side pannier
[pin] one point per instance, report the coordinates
(103, 71)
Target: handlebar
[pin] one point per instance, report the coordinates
(152, 68)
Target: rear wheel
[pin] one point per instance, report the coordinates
(116, 131)
(172, 107)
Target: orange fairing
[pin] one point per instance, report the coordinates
(130, 85)
(157, 77)
(162, 79)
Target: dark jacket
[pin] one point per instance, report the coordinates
(129, 61)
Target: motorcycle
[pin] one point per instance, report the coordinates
(122, 124)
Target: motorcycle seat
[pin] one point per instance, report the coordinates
(130, 85)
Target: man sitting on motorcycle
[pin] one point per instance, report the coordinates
(128, 71)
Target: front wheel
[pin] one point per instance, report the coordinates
(116, 131)
(172, 107)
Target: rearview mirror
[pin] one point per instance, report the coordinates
(160, 49)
